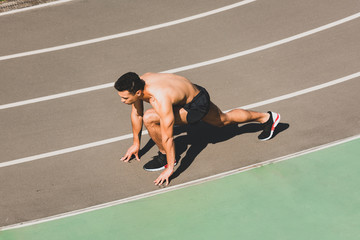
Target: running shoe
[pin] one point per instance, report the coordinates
(269, 126)
(158, 163)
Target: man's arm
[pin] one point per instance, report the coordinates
(137, 113)
(164, 108)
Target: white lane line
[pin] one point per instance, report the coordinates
(188, 67)
(124, 34)
(179, 186)
(67, 150)
(34, 7)
(266, 46)
(304, 91)
(55, 96)
(129, 136)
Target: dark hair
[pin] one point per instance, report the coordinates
(129, 82)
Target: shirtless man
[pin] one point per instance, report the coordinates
(175, 101)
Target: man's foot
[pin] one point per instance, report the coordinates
(158, 163)
(270, 126)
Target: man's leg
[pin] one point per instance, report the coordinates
(269, 120)
(152, 123)
(216, 117)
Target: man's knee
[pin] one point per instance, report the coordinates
(150, 117)
(224, 120)
(219, 121)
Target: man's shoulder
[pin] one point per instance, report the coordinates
(149, 75)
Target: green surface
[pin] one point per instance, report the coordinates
(315, 196)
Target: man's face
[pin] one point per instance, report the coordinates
(127, 97)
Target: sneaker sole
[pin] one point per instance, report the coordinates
(157, 169)
(276, 122)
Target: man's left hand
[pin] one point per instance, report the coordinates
(164, 177)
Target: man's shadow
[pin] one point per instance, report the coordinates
(199, 135)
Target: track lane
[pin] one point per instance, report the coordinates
(145, 132)
(47, 27)
(173, 47)
(125, 34)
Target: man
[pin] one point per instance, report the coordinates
(175, 101)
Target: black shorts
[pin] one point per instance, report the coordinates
(198, 107)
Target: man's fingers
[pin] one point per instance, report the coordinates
(125, 158)
(137, 156)
(157, 181)
(160, 180)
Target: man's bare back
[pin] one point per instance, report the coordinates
(177, 89)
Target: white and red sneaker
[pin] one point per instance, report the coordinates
(269, 126)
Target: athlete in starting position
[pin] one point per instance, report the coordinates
(175, 101)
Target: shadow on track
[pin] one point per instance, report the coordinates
(199, 135)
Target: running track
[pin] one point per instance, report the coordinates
(246, 56)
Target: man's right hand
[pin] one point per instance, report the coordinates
(133, 150)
